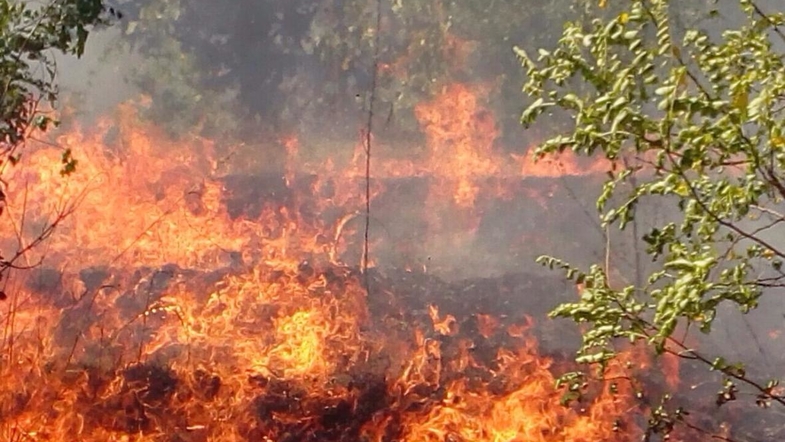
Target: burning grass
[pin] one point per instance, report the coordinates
(286, 355)
(181, 303)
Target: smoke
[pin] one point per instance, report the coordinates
(290, 77)
(269, 52)
(94, 84)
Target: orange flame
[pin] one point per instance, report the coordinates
(253, 327)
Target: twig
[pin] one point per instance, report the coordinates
(768, 210)
(716, 217)
(636, 254)
(146, 310)
(706, 433)
(692, 354)
(368, 141)
(757, 341)
(765, 16)
(140, 235)
(607, 253)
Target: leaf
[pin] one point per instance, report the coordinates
(664, 90)
(618, 120)
(69, 163)
(741, 100)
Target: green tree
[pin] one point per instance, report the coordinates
(692, 121)
(30, 34)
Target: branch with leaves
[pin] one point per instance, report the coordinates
(696, 122)
(31, 34)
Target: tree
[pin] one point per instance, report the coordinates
(28, 37)
(693, 121)
(306, 61)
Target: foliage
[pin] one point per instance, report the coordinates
(27, 69)
(299, 62)
(215, 67)
(170, 72)
(695, 124)
(29, 34)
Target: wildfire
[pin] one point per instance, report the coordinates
(460, 136)
(527, 409)
(168, 316)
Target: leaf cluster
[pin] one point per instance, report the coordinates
(693, 123)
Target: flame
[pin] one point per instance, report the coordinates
(171, 315)
(527, 408)
(460, 136)
(560, 164)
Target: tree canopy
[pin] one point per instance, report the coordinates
(281, 62)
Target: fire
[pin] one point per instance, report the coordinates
(527, 408)
(461, 135)
(168, 313)
(558, 165)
